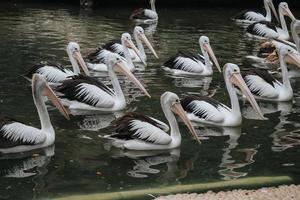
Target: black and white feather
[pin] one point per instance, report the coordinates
(263, 29)
(204, 108)
(53, 73)
(261, 83)
(186, 61)
(87, 90)
(135, 126)
(14, 133)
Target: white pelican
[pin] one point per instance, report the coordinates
(203, 109)
(17, 137)
(265, 87)
(146, 16)
(187, 63)
(97, 59)
(250, 17)
(267, 29)
(57, 73)
(139, 36)
(88, 93)
(136, 131)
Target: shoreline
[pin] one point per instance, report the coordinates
(283, 192)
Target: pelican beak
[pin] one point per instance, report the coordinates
(237, 80)
(209, 50)
(148, 44)
(130, 44)
(274, 10)
(289, 13)
(293, 58)
(177, 108)
(79, 59)
(55, 101)
(121, 68)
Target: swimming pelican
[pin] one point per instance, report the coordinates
(136, 131)
(57, 73)
(88, 93)
(267, 57)
(203, 109)
(97, 59)
(145, 15)
(249, 16)
(17, 137)
(187, 63)
(139, 36)
(265, 87)
(269, 30)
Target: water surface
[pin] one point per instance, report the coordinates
(82, 162)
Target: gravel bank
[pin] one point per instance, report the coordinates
(291, 192)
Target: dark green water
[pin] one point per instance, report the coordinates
(30, 35)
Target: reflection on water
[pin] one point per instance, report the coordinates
(30, 35)
(230, 166)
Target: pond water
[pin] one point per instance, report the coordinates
(82, 162)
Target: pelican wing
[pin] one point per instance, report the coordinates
(87, 90)
(51, 72)
(204, 107)
(114, 46)
(186, 61)
(261, 83)
(141, 127)
(263, 29)
(14, 133)
(249, 15)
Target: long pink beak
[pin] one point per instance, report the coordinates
(177, 108)
(148, 44)
(237, 80)
(124, 70)
(130, 44)
(78, 57)
(209, 50)
(293, 58)
(289, 13)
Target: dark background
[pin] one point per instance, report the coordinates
(160, 3)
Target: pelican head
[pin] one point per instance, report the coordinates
(73, 51)
(170, 100)
(233, 74)
(205, 47)
(139, 33)
(289, 55)
(295, 29)
(40, 88)
(271, 5)
(127, 41)
(284, 9)
(116, 63)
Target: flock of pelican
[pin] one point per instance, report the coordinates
(77, 89)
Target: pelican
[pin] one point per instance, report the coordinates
(267, 29)
(146, 16)
(139, 36)
(17, 137)
(98, 59)
(250, 17)
(187, 63)
(88, 93)
(203, 109)
(265, 87)
(136, 131)
(56, 73)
